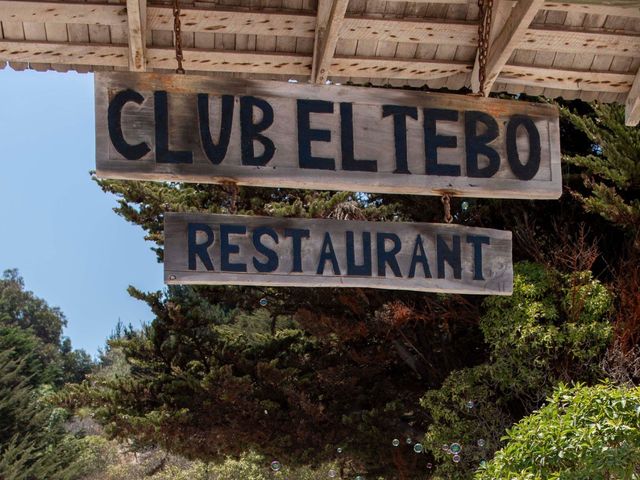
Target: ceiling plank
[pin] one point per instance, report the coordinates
(632, 104)
(137, 23)
(330, 17)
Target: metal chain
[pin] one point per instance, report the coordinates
(484, 30)
(446, 201)
(178, 35)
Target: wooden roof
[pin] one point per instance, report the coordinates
(586, 50)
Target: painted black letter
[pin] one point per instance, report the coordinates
(400, 132)
(478, 241)
(297, 234)
(419, 256)
(227, 248)
(365, 268)
(215, 153)
(306, 134)
(529, 170)
(114, 120)
(349, 162)
(477, 144)
(163, 154)
(199, 249)
(327, 253)
(433, 141)
(450, 255)
(272, 257)
(250, 131)
(388, 256)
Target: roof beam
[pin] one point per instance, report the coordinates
(499, 15)
(137, 23)
(632, 104)
(330, 17)
(510, 36)
(378, 67)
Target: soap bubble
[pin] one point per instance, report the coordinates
(429, 465)
(465, 206)
(276, 466)
(481, 442)
(395, 442)
(264, 302)
(418, 448)
(332, 474)
(470, 404)
(457, 458)
(359, 477)
(483, 463)
(409, 441)
(339, 449)
(455, 448)
(445, 447)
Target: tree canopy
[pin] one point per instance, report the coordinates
(383, 384)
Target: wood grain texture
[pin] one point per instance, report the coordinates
(632, 103)
(569, 79)
(185, 265)
(330, 16)
(510, 36)
(137, 23)
(372, 137)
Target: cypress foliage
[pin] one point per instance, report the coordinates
(317, 370)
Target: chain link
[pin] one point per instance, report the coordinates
(484, 30)
(446, 201)
(178, 35)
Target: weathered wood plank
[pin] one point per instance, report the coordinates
(231, 61)
(410, 31)
(499, 15)
(220, 20)
(595, 81)
(137, 19)
(330, 17)
(64, 53)
(375, 67)
(632, 103)
(570, 40)
(343, 141)
(509, 38)
(249, 250)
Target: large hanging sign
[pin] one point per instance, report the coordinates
(275, 134)
(249, 250)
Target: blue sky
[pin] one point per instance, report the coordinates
(59, 228)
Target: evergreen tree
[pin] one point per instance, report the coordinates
(317, 370)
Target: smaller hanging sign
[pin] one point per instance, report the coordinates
(249, 250)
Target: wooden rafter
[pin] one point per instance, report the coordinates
(499, 15)
(136, 19)
(510, 36)
(632, 104)
(330, 17)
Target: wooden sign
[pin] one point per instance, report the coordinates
(275, 134)
(249, 250)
